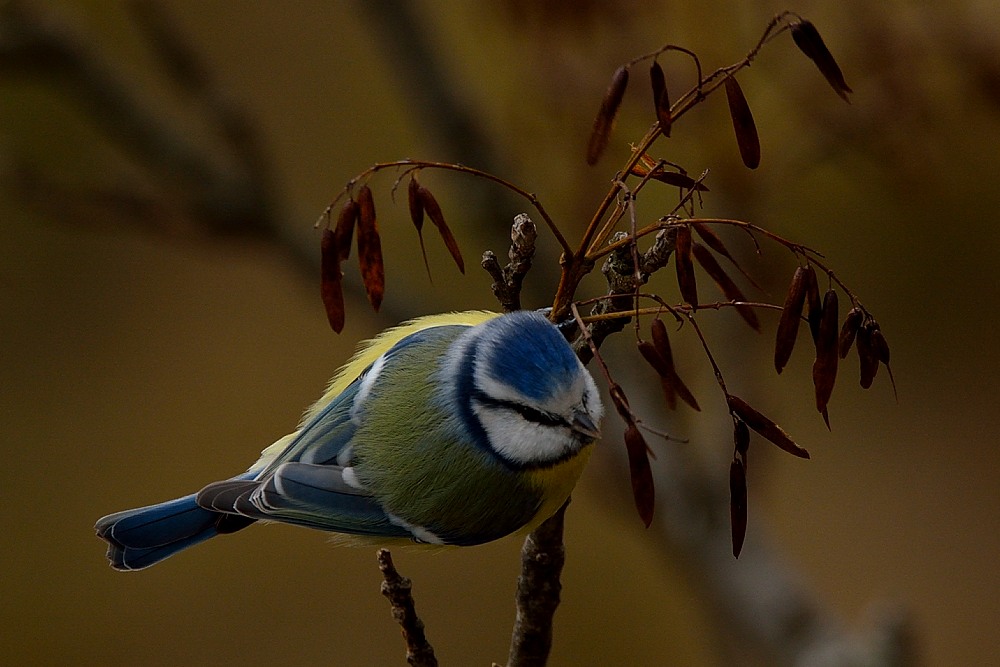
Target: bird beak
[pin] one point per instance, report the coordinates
(584, 425)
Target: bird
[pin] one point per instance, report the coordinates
(453, 429)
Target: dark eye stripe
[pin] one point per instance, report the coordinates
(529, 413)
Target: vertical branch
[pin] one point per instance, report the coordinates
(538, 589)
(507, 281)
(399, 590)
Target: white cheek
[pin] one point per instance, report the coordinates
(518, 440)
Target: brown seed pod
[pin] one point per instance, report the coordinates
(743, 124)
(825, 367)
(643, 490)
(714, 241)
(813, 302)
(415, 203)
(685, 267)
(330, 281)
(662, 342)
(788, 325)
(437, 217)
(647, 164)
(683, 392)
(605, 121)
(661, 98)
(345, 228)
(672, 383)
(849, 330)
(679, 180)
(620, 402)
(738, 504)
(370, 249)
(416, 206)
(808, 39)
(764, 426)
(881, 350)
(726, 284)
(653, 358)
(866, 353)
(879, 344)
(741, 437)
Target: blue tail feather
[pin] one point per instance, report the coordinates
(144, 536)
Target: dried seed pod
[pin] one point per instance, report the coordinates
(647, 164)
(743, 124)
(741, 437)
(726, 284)
(620, 401)
(652, 357)
(683, 392)
(825, 367)
(672, 383)
(330, 281)
(662, 342)
(849, 330)
(879, 344)
(605, 120)
(679, 180)
(808, 39)
(764, 426)
(370, 249)
(866, 353)
(813, 302)
(416, 206)
(881, 350)
(714, 241)
(738, 504)
(788, 325)
(685, 267)
(643, 490)
(345, 228)
(661, 98)
(437, 217)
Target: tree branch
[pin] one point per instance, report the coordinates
(507, 281)
(399, 591)
(538, 589)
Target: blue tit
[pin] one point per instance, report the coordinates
(453, 429)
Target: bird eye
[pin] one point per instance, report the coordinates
(537, 416)
(526, 411)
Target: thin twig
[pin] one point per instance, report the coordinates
(399, 591)
(507, 281)
(531, 197)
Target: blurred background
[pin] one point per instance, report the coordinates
(160, 321)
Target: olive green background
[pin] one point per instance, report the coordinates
(138, 365)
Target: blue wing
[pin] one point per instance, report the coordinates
(306, 484)
(303, 485)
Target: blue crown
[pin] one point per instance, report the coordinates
(529, 354)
